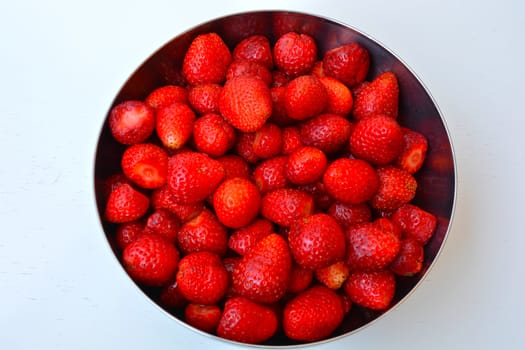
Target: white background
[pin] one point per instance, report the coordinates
(61, 64)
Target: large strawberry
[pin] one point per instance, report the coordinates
(380, 96)
(348, 63)
(295, 54)
(305, 97)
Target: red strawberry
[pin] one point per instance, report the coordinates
(150, 260)
(313, 314)
(396, 188)
(305, 97)
(349, 214)
(373, 290)
(166, 95)
(254, 48)
(131, 122)
(213, 135)
(110, 183)
(264, 272)
(246, 103)
(328, 132)
(280, 79)
(306, 165)
(236, 202)
(206, 60)
(146, 165)
(285, 205)
(387, 224)
(340, 100)
(351, 181)
(175, 125)
(333, 276)
(268, 141)
(291, 139)
(163, 198)
(270, 174)
(203, 233)
(377, 139)
(125, 204)
(409, 260)
(300, 279)
(164, 223)
(295, 54)
(234, 166)
(279, 115)
(316, 241)
(170, 296)
(204, 98)
(127, 232)
(244, 147)
(193, 176)
(322, 200)
(414, 151)
(243, 240)
(249, 68)
(230, 263)
(379, 97)
(347, 63)
(202, 278)
(203, 317)
(245, 321)
(415, 222)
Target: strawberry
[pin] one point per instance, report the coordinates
(316, 241)
(125, 204)
(306, 165)
(396, 188)
(244, 147)
(322, 200)
(206, 60)
(203, 317)
(170, 296)
(246, 103)
(131, 122)
(291, 139)
(236, 202)
(409, 260)
(163, 198)
(340, 100)
(150, 260)
(295, 54)
(193, 176)
(313, 314)
(166, 95)
(351, 181)
(270, 175)
(203, 233)
(373, 290)
(349, 214)
(333, 276)
(164, 223)
(415, 222)
(347, 302)
(108, 184)
(127, 232)
(246, 321)
(249, 68)
(280, 79)
(234, 166)
(242, 240)
(146, 165)
(213, 135)
(204, 98)
(285, 205)
(263, 273)
(328, 132)
(377, 139)
(379, 97)
(254, 48)
(174, 125)
(300, 279)
(268, 141)
(386, 223)
(202, 278)
(305, 97)
(348, 63)
(229, 263)
(279, 115)
(414, 151)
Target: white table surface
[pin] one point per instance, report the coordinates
(61, 64)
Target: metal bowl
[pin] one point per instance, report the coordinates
(417, 110)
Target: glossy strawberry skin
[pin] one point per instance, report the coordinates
(131, 122)
(270, 174)
(146, 165)
(291, 139)
(125, 204)
(415, 222)
(213, 135)
(164, 223)
(373, 290)
(244, 239)
(328, 132)
(295, 54)
(127, 232)
(284, 206)
(235, 166)
(409, 260)
(244, 147)
(413, 154)
(204, 98)
(203, 317)
(396, 188)
(166, 95)
(349, 214)
(306, 165)
(163, 198)
(254, 48)
(174, 125)
(347, 63)
(249, 68)
(268, 141)
(305, 97)
(340, 99)
(300, 279)
(380, 96)
(203, 233)
(170, 296)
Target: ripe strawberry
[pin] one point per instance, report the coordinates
(203, 233)
(213, 135)
(316, 241)
(245, 321)
(244, 239)
(203, 317)
(269, 175)
(409, 260)
(291, 139)
(254, 48)
(246, 103)
(379, 97)
(268, 141)
(347, 302)
(396, 188)
(340, 100)
(350, 214)
(127, 232)
(229, 263)
(280, 79)
(108, 184)
(305, 97)
(206, 60)
(351, 181)
(322, 200)
(263, 273)
(163, 198)
(249, 68)
(244, 147)
(306, 165)
(236, 202)
(313, 314)
(348, 63)
(234, 166)
(328, 132)
(279, 115)
(164, 223)
(414, 151)
(295, 54)
(174, 125)
(205, 98)
(131, 122)
(146, 165)
(285, 205)
(415, 222)
(170, 296)
(300, 279)
(125, 204)
(373, 290)
(356, 90)
(193, 176)
(377, 139)
(150, 260)
(333, 276)
(387, 224)
(166, 95)
(202, 278)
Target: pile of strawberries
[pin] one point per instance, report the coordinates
(272, 193)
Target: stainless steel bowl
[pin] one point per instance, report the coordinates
(418, 111)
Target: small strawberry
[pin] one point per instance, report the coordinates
(203, 233)
(263, 273)
(373, 290)
(164, 223)
(127, 232)
(131, 122)
(146, 165)
(234, 166)
(213, 135)
(328, 132)
(244, 147)
(270, 174)
(340, 100)
(170, 296)
(313, 314)
(415, 222)
(206, 60)
(245, 321)
(236, 202)
(279, 115)
(300, 279)
(396, 188)
(285, 205)
(348, 63)
(108, 184)
(409, 260)
(305, 97)
(244, 239)
(381, 96)
(333, 276)
(163, 198)
(295, 54)
(202, 278)
(254, 48)
(174, 125)
(166, 95)
(203, 317)
(125, 204)
(414, 151)
(349, 214)
(291, 139)
(306, 165)
(204, 98)
(150, 260)
(268, 141)
(249, 68)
